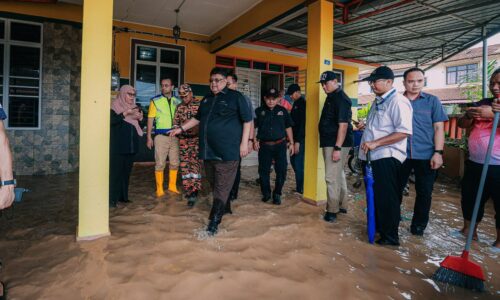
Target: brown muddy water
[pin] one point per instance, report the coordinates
(158, 248)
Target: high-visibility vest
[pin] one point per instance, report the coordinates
(165, 112)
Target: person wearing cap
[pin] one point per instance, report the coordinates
(190, 164)
(274, 126)
(232, 84)
(425, 147)
(162, 111)
(298, 115)
(224, 120)
(388, 125)
(335, 138)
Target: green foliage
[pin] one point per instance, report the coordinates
(363, 112)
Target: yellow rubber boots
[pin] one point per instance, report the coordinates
(159, 184)
(172, 181)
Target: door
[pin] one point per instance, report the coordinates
(249, 85)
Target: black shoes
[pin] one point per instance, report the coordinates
(343, 211)
(276, 199)
(330, 217)
(215, 217)
(266, 198)
(417, 230)
(387, 242)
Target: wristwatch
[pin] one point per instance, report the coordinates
(8, 182)
(439, 151)
(337, 148)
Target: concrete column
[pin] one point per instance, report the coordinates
(93, 209)
(319, 59)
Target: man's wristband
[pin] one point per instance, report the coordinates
(439, 151)
(8, 182)
(337, 148)
(250, 140)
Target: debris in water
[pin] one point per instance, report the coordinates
(431, 282)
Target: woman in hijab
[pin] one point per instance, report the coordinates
(190, 166)
(124, 135)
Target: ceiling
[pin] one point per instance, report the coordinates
(394, 31)
(196, 16)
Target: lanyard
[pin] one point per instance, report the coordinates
(383, 99)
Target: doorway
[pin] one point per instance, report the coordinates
(268, 80)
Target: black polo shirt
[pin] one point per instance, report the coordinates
(337, 109)
(298, 115)
(272, 124)
(221, 119)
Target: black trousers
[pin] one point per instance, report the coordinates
(220, 175)
(424, 183)
(268, 153)
(120, 167)
(387, 191)
(470, 185)
(236, 185)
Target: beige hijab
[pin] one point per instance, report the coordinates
(120, 105)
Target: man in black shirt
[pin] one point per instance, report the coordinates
(298, 115)
(274, 125)
(335, 137)
(224, 120)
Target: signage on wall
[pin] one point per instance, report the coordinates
(327, 62)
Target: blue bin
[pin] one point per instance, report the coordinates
(357, 137)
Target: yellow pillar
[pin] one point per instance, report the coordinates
(319, 59)
(93, 209)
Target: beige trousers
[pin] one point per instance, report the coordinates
(336, 185)
(166, 146)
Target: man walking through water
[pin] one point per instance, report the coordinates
(425, 146)
(224, 119)
(388, 126)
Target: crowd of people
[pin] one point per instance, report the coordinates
(402, 133)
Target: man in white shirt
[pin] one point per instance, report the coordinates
(388, 125)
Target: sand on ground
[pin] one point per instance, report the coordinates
(158, 248)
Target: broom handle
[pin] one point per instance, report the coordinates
(481, 182)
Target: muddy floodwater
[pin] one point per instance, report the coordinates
(159, 250)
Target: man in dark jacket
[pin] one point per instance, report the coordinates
(298, 115)
(335, 137)
(224, 119)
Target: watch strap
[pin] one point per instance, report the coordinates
(8, 182)
(439, 151)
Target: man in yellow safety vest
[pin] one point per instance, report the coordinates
(162, 110)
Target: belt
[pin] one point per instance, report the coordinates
(276, 142)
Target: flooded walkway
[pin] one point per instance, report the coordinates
(158, 248)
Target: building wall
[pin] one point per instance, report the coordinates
(53, 148)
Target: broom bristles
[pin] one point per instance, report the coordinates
(459, 279)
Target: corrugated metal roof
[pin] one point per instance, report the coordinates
(422, 31)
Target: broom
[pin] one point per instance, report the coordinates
(459, 270)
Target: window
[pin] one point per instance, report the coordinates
(460, 74)
(340, 76)
(151, 63)
(20, 72)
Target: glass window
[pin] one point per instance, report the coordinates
(2, 29)
(145, 83)
(275, 68)
(172, 73)
(259, 65)
(24, 61)
(23, 111)
(243, 63)
(146, 53)
(167, 63)
(224, 61)
(25, 32)
(461, 74)
(169, 57)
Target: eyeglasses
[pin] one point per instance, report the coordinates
(131, 94)
(216, 80)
